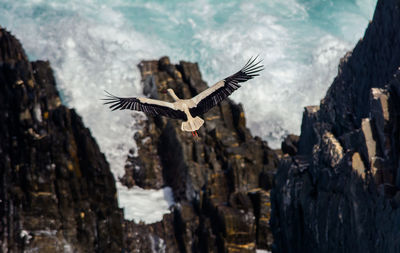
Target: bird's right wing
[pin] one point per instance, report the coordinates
(149, 106)
(210, 97)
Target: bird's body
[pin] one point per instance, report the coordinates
(192, 123)
(188, 110)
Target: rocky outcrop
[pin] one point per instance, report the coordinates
(220, 180)
(340, 191)
(57, 193)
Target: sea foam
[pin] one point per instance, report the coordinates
(96, 45)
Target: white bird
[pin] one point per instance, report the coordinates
(188, 110)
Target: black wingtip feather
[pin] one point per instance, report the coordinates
(133, 103)
(251, 69)
(252, 66)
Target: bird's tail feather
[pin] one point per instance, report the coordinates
(192, 124)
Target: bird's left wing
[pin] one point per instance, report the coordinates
(149, 106)
(210, 97)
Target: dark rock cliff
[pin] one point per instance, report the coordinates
(220, 180)
(340, 191)
(57, 193)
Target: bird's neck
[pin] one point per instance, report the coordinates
(172, 94)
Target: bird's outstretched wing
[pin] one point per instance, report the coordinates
(149, 106)
(210, 97)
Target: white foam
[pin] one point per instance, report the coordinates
(24, 234)
(157, 244)
(262, 251)
(147, 206)
(300, 63)
(264, 96)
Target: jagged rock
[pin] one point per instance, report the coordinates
(328, 152)
(157, 237)
(210, 176)
(308, 137)
(262, 211)
(369, 139)
(57, 193)
(341, 192)
(144, 170)
(380, 117)
(290, 144)
(359, 168)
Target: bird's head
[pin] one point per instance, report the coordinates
(165, 91)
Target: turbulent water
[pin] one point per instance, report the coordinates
(96, 45)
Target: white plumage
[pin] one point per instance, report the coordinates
(188, 110)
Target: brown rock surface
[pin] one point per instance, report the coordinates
(220, 180)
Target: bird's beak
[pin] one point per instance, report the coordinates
(164, 91)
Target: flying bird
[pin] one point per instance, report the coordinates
(188, 110)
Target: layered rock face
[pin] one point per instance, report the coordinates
(340, 191)
(57, 193)
(220, 180)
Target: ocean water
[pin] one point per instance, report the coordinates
(96, 45)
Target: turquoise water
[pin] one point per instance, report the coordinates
(96, 45)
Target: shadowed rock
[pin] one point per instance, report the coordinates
(340, 193)
(57, 193)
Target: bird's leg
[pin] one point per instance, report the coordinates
(194, 133)
(172, 94)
